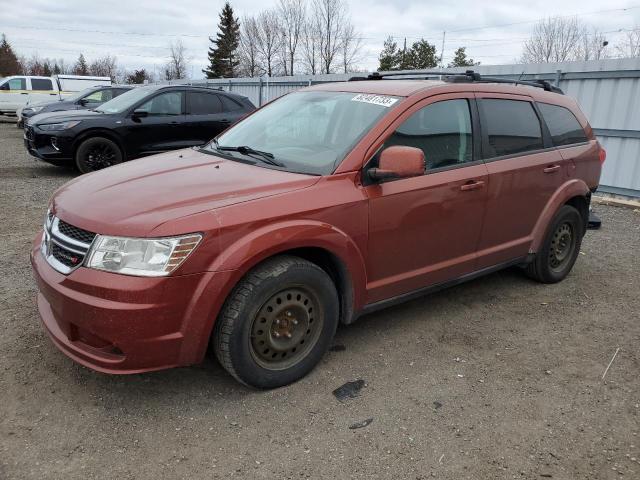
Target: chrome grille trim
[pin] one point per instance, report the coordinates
(53, 236)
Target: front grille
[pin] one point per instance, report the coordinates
(65, 246)
(66, 257)
(75, 232)
(28, 132)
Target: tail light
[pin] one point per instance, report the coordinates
(602, 154)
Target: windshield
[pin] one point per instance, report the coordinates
(81, 94)
(125, 101)
(308, 132)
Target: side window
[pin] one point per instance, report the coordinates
(106, 95)
(512, 126)
(41, 84)
(95, 97)
(563, 125)
(202, 103)
(15, 84)
(229, 105)
(441, 130)
(119, 91)
(169, 103)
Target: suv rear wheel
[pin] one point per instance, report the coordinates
(277, 322)
(96, 153)
(560, 248)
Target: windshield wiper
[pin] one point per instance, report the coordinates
(266, 157)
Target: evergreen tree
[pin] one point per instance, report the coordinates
(460, 59)
(81, 67)
(9, 64)
(137, 77)
(389, 57)
(422, 55)
(46, 68)
(223, 55)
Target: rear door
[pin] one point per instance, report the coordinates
(205, 116)
(42, 90)
(524, 172)
(425, 230)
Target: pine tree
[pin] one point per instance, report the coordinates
(422, 55)
(81, 67)
(9, 64)
(389, 57)
(460, 59)
(223, 57)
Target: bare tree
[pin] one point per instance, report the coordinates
(331, 15)
(554, 39)
(250, 64)
(310, 48)
(630, 46)
(350, 46)
(292, 14)
(104, 67)
(176, 67)
(592, 46)
(269, 40)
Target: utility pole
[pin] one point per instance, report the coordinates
(404, 54)
(444, 34)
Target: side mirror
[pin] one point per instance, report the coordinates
(140, 113)
(399, 162)
(82, 101)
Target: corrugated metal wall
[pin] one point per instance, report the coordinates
(607, 90)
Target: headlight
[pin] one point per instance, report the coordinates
(155, 257)
(56, 127)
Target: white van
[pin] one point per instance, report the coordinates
(20, 90)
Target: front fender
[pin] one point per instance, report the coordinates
(570, 189)
(270, 240)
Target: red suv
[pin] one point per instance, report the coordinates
(326, 204)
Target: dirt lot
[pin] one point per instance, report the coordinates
(497, 378)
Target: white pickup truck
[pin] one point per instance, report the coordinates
(20, 90)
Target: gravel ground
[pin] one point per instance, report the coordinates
(496, 378)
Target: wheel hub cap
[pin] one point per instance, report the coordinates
(285, 328)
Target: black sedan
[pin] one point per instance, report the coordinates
(142, 121)
(91, 97)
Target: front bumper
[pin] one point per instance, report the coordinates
(123, 324)
(50, 148)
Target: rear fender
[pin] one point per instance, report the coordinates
(570, 189)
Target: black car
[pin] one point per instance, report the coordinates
(142, 121)
(88, 98)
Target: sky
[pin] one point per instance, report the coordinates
(138, 32)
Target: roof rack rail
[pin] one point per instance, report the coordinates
(462, 77)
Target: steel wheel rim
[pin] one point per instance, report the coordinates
(562, 246)
(101, 155)
(286, 328)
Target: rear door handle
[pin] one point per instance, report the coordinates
(472, 185)
(551, 169)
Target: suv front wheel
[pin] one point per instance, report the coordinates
(277, 322)
(560, 248)
(96, 153)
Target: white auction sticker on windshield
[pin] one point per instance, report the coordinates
(381, 100)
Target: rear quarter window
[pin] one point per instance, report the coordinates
(563, 125)
(229, 105)
(512, 127)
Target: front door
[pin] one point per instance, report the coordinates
(424, 230)
(162, 129)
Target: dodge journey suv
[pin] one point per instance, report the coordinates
(324, 205)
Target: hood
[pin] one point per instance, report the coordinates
(134, 198)
(65, 116)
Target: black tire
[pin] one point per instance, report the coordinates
(560, 247)
(244, 338)
(96, 153)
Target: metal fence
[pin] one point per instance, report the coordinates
(608, 92)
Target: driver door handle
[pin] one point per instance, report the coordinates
(551, 169)
(472, 185)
